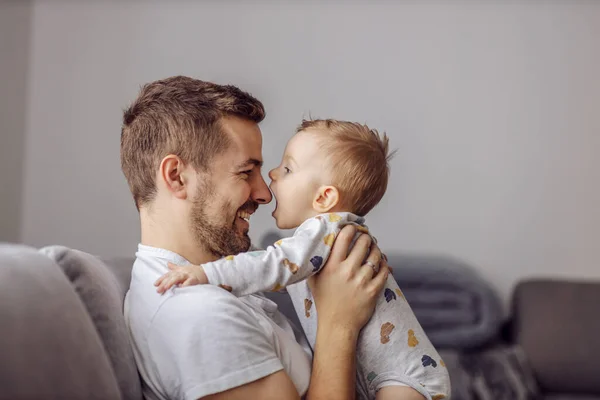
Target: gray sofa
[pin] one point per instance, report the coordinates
(63, 336)
(62, 332)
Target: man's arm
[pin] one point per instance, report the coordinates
(345, 294)
(334, 365)
(333, 376)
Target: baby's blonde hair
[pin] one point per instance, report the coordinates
(359, 156)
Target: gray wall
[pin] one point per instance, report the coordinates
(15, 35)
(494, 109)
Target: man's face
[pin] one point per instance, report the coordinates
(231, 191)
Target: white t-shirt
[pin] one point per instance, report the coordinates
(195, 341)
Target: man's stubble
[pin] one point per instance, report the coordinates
(219, 238)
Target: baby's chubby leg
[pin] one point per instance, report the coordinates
(398, 392)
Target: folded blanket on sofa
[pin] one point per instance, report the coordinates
(455, 306)
(497, 373)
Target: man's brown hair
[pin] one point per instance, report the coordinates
(360, 158)
(180, 116)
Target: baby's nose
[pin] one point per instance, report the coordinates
(272, 174)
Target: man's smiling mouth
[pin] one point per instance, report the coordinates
(245, 215)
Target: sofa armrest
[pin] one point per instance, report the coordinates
(557, 323)
(50, 347)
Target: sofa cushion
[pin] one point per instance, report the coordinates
(49, 345)
(557, 324)
(121, 268)
(102, 295)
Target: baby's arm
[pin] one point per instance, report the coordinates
(289, 261)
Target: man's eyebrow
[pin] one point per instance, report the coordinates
(250, 162)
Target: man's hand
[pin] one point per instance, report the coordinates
(346, 290)
(345, 294)
(182, 275)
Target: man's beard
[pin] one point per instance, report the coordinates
(221, 239)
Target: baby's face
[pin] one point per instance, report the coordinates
(294, 183)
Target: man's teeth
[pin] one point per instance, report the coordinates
(244, 215)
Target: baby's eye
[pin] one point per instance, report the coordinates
(287, 170)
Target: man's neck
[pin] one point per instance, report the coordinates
(174, 236)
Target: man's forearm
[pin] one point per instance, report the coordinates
(334, 366)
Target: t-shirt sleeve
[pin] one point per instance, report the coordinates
(204, 340)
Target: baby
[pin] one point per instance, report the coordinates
(332, 174)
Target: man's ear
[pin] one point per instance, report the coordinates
(327, 197)
(174, 176)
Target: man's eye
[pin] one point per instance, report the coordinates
(246, 174)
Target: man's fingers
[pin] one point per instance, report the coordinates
(342, 243)
(372, 265)
(378, 281)
(367, 270)
(390, 269)
(359, 251)
(375, 256)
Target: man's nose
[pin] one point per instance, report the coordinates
(261, 193)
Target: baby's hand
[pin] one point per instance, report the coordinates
(182, 276)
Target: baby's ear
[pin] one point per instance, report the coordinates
(326, 198)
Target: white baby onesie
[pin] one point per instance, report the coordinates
(392, 348)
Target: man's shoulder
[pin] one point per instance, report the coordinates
(203, 303)
(192, 305)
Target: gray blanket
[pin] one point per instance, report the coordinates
(455, 306)
(498, 373)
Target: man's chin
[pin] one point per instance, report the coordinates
(244, 238)
(246, 244)
(242, 230)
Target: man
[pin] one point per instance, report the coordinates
(191, 154)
